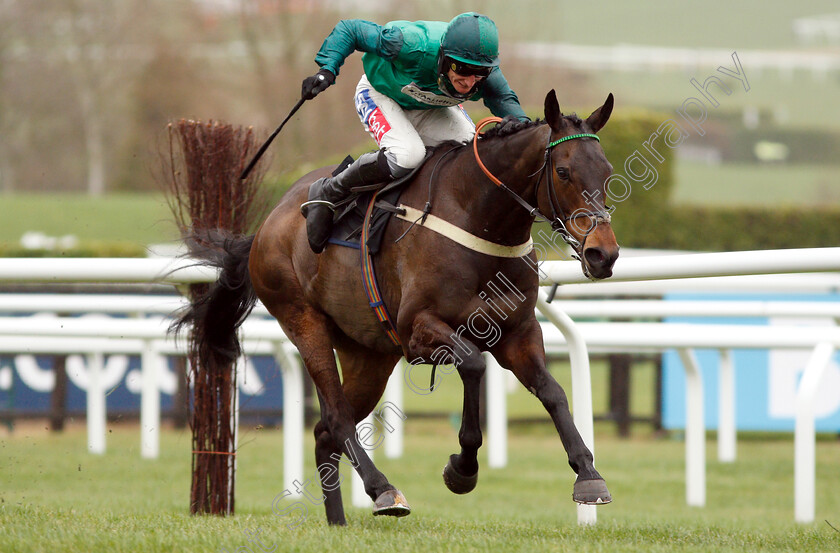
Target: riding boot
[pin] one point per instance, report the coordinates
(370, 169)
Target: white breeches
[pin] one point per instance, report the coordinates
(405, 133)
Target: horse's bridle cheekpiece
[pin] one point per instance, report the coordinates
(557, 220)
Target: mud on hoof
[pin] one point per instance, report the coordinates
(456, 482)
(391, 503)
(591, 492)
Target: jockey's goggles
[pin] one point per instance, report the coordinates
(468, 70)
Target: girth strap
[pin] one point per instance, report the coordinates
(460, 236)
(369, 280)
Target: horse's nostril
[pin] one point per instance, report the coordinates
(595, 257)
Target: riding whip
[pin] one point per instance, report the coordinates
(266, 144)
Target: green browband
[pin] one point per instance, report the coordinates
(565, 138)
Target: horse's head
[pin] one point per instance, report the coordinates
(576, 172)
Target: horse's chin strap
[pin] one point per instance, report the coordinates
(557, 220)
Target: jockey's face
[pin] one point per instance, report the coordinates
(463, 83)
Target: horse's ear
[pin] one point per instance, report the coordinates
(599, 117)
(552, 111)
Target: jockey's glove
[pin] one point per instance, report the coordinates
(510, 124)
(317, 83)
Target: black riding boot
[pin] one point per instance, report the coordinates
(371, 168)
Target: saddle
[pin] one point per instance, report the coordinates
(348, 221)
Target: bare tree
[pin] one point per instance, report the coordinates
(65, 69)
(101, 53)
(8, 10)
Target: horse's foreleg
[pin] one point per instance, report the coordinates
(365, 374)
(524, 355)
(342, 428)
(434, 341)
(461, 472)
(308, 331)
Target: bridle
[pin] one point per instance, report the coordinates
(558, 220)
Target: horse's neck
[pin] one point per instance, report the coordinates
(515, 160)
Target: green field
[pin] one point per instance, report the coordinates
(141, 218)
(752, 185)
(56, 497)
(146, 219)
(448, 395)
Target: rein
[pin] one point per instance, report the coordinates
(557, 220)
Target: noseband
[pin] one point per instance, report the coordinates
(557, 220)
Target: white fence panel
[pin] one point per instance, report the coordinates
(148, 335)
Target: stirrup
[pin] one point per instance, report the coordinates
(324, 203)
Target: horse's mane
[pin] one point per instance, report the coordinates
(500, 131)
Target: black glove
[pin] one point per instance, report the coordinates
(318, 82)
(510, 124)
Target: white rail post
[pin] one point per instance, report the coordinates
(496, 414)
(727, 433)
(695, 431)
(395, 425)
(292, 415)
(96, 410)
(581, 387)
(805, 435)
(233, 460)
(150, 371)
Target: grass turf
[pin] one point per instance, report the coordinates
(54, 496)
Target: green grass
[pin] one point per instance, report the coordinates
(691, 24)
(140, 218)
(751, 185)
(448, 396)
(799, 101)
(56, 497)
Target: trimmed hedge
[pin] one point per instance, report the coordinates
(708, 229)
(645, 219)
(623, 140)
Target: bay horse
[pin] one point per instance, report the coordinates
(432, 286)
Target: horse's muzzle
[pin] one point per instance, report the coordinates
(598, 261)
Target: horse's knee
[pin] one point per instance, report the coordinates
(471, 368)
(320, 428)
(341, 428)
(551, 395)
(324, 443)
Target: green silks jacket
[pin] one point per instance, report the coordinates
(401, 62)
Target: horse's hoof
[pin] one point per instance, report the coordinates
(456, 482)
(391, 503)
(591, 492)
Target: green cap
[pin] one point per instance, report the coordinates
(472, 38)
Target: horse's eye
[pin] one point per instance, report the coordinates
(563, 173)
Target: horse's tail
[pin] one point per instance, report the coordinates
(215, 316)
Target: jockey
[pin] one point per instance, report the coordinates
(416, 76)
